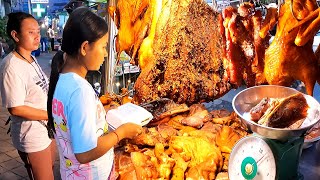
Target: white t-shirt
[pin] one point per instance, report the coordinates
(79, 119)
(21, 84)
(51, 33)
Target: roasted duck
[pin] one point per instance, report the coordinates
(132, 28)
(291, 48)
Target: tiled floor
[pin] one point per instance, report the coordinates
(11, 166)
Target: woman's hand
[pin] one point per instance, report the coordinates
(29, 113)
(128, 130)
(106, 142)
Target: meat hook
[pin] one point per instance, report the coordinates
(291, 9)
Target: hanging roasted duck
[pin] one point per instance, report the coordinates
(290, 56)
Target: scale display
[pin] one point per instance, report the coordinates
(252, 158)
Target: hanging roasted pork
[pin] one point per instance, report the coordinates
(190, 53)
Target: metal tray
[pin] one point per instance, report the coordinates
(309, 142)
(249, 97)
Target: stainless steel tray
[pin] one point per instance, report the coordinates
(249, 97)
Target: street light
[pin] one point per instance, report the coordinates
(47, 10)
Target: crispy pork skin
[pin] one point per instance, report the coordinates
(188, 52)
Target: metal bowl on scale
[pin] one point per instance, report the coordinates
(248, 98)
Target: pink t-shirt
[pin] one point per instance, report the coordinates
(79, 119)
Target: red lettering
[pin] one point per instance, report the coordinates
(54, 106)
(57, 108)
(60, 108)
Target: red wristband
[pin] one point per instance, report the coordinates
(117, 136)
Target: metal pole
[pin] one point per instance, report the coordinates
(109, 64)
(29, 6)
(123, 76)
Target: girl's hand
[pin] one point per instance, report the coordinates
(128, 130)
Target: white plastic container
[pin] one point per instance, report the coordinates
(128, 113)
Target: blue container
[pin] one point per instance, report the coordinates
(36, 52)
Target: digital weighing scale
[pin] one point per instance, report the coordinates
(269, 153)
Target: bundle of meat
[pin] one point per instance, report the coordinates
(181, 142)
(190, 53)
(180, 148)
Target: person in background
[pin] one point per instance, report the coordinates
(75, 112)
(1, 49)
(5, 46)
(51, 37)
(44, 37)
(24, 88)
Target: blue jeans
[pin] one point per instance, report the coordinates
(44, 44)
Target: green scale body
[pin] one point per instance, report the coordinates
(255, 157)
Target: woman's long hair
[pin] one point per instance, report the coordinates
(82, 25)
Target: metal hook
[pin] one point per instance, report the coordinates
(279, 5)
(291, 9)
(264, 9)
(114, 43)
(214, 5)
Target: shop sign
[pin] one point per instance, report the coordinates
(38, 10)
(39, 1)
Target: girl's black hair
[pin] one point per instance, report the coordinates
(15, 20)
(82, 25)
